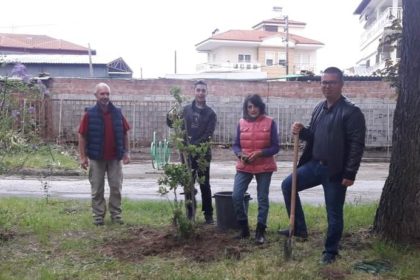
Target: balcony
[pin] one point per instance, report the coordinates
(373, 28)
(299, 67)
(228, 67)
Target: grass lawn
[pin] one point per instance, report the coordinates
(56, 240)
(49, 157)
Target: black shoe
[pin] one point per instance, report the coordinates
(208, 220)
(302, 235)
(244, 234)
(98, 222)
(327, 258)
(259, 234)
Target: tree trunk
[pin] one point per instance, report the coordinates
(398, 215)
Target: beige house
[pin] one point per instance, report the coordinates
(272, 49)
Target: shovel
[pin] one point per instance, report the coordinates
(287, 246)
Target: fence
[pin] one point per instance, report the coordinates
(145, 117)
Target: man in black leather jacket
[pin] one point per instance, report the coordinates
(335, 140)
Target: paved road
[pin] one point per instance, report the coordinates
(140, 182)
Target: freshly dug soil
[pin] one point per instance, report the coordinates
(208, 244)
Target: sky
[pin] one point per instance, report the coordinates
(147, 33)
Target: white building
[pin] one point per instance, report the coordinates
(376, 18)
(272, 49)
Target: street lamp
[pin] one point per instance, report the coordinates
(285, 18)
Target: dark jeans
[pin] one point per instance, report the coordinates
(205, 189)
(310, 175)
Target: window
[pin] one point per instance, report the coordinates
(281, 56)
(269, 58)
(271, 28)
(244, 58)
(305, 59)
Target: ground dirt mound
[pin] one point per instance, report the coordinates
(6, 235)
(208, 244)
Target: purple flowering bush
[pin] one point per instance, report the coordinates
(20, 100)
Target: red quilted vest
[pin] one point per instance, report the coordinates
(255, 136)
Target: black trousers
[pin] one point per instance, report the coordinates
(205, 189)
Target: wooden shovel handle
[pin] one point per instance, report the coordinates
(294, 184)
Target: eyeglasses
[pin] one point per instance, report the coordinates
(329, 83)
(203, 90)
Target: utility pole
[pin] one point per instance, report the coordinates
(90, 61)
(286, 28)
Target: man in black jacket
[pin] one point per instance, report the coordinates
(200, 123)
(335, 140)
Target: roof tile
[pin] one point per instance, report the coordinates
(37, 42)
(259, 36)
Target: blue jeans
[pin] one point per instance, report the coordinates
(310, 175)
(240, 186)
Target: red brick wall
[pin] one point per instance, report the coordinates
(352, 89)
(146, 102)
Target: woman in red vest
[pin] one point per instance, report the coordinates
(256, 143)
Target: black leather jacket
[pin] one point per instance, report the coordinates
(346, 139)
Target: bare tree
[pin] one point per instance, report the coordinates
(398, 215)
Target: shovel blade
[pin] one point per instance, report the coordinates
(287, 249)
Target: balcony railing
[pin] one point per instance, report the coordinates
(229, 67)
(298, 67)
(249, 67)
(377, 27)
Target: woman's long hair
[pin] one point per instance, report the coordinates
(256, 100)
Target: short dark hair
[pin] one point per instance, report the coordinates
(200, 82)
(336, 71)
(257, 101)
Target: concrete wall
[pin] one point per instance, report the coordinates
(145, 103)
